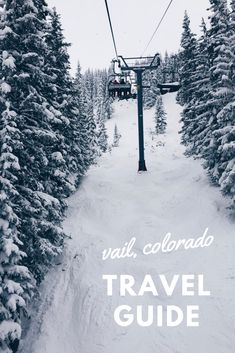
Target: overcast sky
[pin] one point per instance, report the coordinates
(86, 27)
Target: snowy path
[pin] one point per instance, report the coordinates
(114, 204)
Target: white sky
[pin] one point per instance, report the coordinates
(86, 26)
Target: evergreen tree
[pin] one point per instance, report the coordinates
(67, 100)
(15, 279)
(89, 83)
(222, 151)
(188, 59)
(87, 123)
(102, 138)
(152, 79)
(148, 98)
(47, 141)
(160, 117)
(30, 216)
(208, 115)
(91, 126)
(116, 137)
(198, 109)
(103, 75)
(95, 95)
(221, 84)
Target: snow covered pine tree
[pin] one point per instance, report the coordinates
(70, 161)
(116, 137)
(219, 151)
(200, 104)
(160, 117)
(43, 152)
(208, 95)
(102, 138)
(86, 119)
(15, 279)
(186, 94)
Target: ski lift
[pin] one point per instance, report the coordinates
(169, 87)
(120, 87)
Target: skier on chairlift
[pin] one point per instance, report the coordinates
(115, 91)
(121, 91)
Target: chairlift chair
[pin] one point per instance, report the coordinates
(119, 87)
(168, 87)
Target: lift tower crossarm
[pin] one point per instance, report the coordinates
(153, 64)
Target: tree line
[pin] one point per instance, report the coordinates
(51, 131)
(205, 68)
(207, 94)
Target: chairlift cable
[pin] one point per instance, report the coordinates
(159, 24)
(111, 28)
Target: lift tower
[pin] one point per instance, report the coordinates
(140, 65)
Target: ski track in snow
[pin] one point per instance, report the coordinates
(115, 203)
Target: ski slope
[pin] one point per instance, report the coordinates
(116, 203)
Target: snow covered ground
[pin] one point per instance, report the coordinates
(116, 203)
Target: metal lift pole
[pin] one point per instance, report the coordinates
(142, 165)
(151, 63)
